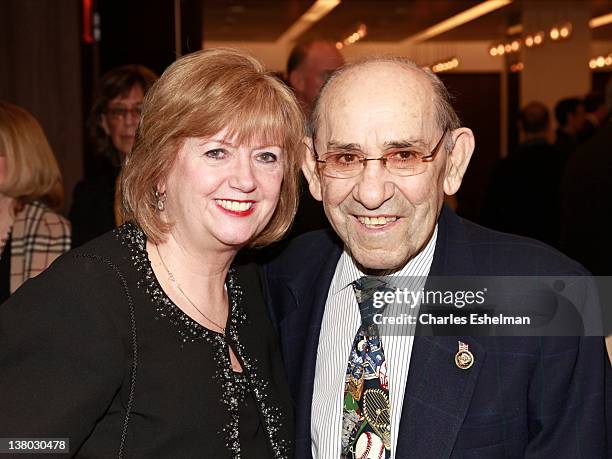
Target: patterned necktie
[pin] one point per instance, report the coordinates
(366, 416)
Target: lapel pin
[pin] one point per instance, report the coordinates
(464, 358)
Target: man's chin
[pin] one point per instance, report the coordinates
(379, 259)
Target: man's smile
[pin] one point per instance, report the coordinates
(377, 221)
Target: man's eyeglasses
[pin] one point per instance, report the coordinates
(121, 113)
(399, 161)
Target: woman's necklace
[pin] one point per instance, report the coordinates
(176, 284)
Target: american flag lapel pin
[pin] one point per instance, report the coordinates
(464, 359)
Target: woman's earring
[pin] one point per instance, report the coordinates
(161, 200)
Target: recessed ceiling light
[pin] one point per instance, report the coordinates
(459, 19)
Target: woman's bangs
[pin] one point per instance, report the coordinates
(261, 120)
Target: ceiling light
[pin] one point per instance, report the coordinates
(518, 67)
(515, 29)
(554, 33)
(459, 19)
(361, 32)
(539, 38)
(600, 21)
(593, 24)
(318, 10)
(446, 65)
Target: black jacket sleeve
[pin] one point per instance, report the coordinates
(62, 355)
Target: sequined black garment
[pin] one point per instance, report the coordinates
(187, 401)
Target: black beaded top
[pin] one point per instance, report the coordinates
(99, 353)
(236, 386)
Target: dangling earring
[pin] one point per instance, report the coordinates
(161, 200)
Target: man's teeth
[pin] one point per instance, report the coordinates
(376, 221)
(234, 205)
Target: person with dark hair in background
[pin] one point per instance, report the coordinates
(587, 200)
(112, 127)
(596, 114)
(570, 117)
(523, 196)
(32, 234)
(308, 67)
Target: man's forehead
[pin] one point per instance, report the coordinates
(379, 96)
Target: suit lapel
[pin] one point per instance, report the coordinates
(438, 393)
(310, 295)
(437, 396)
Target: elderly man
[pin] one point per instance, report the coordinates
(386, 147)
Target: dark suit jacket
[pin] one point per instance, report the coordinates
(523, 397)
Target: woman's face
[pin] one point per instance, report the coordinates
(121, 118)
(221, 194)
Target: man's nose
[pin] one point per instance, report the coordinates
(373, 185)
(242, 176)
(132, 116)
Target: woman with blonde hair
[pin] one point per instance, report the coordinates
(156, 343)
(32, 235)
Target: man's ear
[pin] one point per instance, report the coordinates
(296, 81)
(104, 124)
(309, 168)
(458, 159)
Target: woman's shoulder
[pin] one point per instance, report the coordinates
(46, 221)
(118, 247)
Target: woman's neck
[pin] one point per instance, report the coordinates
(203, 263)
(193, 278)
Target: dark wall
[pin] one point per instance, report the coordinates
(143, 32)
(136, 32)
(477, 101)
(40, 56)
(600, 80)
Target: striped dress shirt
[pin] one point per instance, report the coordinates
(341, 320)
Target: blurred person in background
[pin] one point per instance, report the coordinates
(309, 66)
(113, 120)
(587, 200)
(32, 235)
(596, 113)
(523, 197)
(570, 117)
(164, 348)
